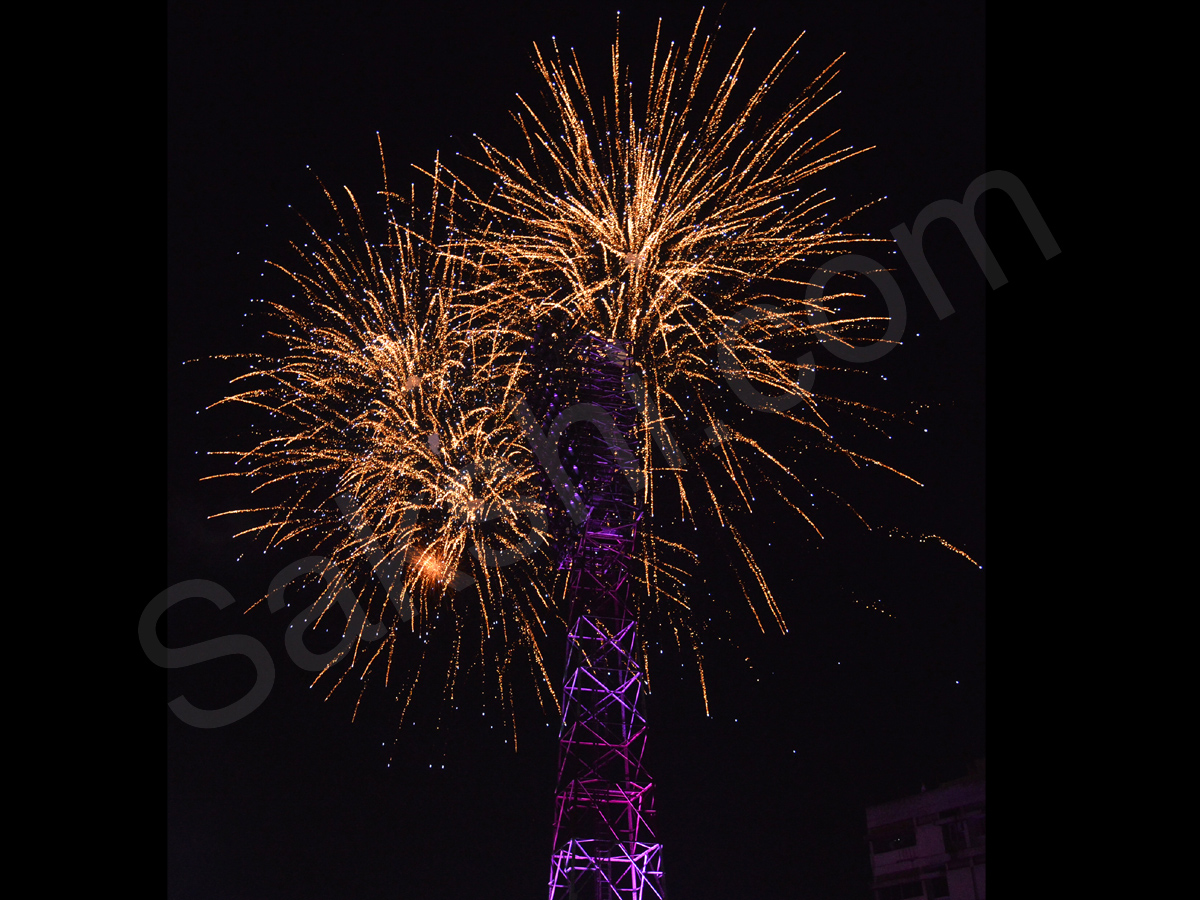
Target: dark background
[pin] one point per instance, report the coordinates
(879, 686)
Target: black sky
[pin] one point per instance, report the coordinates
(854, 706)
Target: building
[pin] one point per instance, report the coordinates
(933, 843)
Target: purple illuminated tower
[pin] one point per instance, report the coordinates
(604, 842)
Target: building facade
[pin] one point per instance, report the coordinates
(933, 843)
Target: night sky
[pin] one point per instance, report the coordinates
(879, 686)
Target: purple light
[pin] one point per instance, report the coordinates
(604, 842)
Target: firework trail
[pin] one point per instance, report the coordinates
(390, 407)
(678, 222)
(675, 220)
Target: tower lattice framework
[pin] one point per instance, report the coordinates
(604, 842)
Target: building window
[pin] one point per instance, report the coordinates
(937, 887)
(976, 829)
(963, 834)
(955, 836)
(901, 891)
(896, 836)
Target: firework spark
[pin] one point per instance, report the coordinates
(389, 399)
(678, 222)
(675, 220)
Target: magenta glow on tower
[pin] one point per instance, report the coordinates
(604, 843)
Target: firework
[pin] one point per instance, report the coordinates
(393, 443)
(679, 223)
(676, 222)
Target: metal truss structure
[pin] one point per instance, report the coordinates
(604, 842)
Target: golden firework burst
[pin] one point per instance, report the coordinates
(393, 441)
(672, 219)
